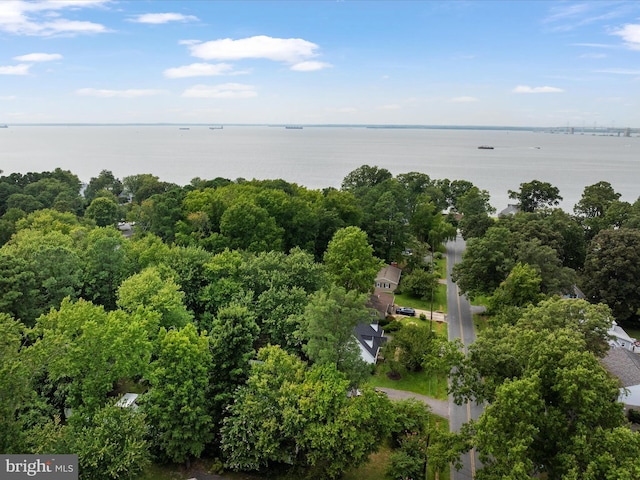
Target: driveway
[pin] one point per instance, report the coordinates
(439, 407)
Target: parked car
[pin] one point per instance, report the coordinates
(406, 311)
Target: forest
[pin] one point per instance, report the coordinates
(229, 307)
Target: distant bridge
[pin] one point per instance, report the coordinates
(595, 130)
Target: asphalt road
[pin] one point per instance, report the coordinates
(460, 320)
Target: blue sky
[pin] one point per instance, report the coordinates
(520, 63)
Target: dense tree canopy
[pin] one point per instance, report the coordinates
(612, 272)
(292, 415)
(230, 308)
(546, 390)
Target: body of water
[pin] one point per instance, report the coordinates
(318, 157)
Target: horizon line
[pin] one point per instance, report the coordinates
(311, 125)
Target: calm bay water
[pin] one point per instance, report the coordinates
(318, 157)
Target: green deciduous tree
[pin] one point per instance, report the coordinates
(111, 443)
(302, 418)
(486, 262)
(55, 264)
(365, 177)
(519, 289)
(535, 195)
(233, 333)
(14, 381)
(546, 391)
(17, 287)
(104, 211)
(150, 290)
(350, 262)
(327, 328)
(250, 227)
(188, 263)
(104, 181)
(142, 186)
(176, 404)
(612, 272)
(475, 209)
(84, 351)
(554, 278)
(592, 208)
(420, 284)
(106, 265)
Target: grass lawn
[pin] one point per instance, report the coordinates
(424, 383)
(481, 323)
(375, 468)
(442, 424)
(434, 386)
(633, 332)
(439, 300)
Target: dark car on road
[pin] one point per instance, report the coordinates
(406, 311)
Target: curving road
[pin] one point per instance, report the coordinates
(460, 320)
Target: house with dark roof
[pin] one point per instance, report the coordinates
(370, 335)
(370, 339)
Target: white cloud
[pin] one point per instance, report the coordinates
(289, 50)
(71, 27)
(391, 106)
(9, 97)
(38, 57)
(159, 18)
(593, 55)
(528, 89)
(225, 90)
(21, 69)
(131, 93)
(310, 66)
(201, 70)
(20, 17)
(594, 45)
(619, 71)
(630, 33)
(464, 99)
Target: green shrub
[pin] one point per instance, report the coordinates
(217, 467)
(393, 327)
(634, 415)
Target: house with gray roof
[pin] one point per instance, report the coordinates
(618, 338)
(388, 278)
(625, 365)
(370, 339)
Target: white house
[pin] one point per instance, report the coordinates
(128, 400)
(370, 339)
(625, 365)
(630, 396)
(620, 339)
